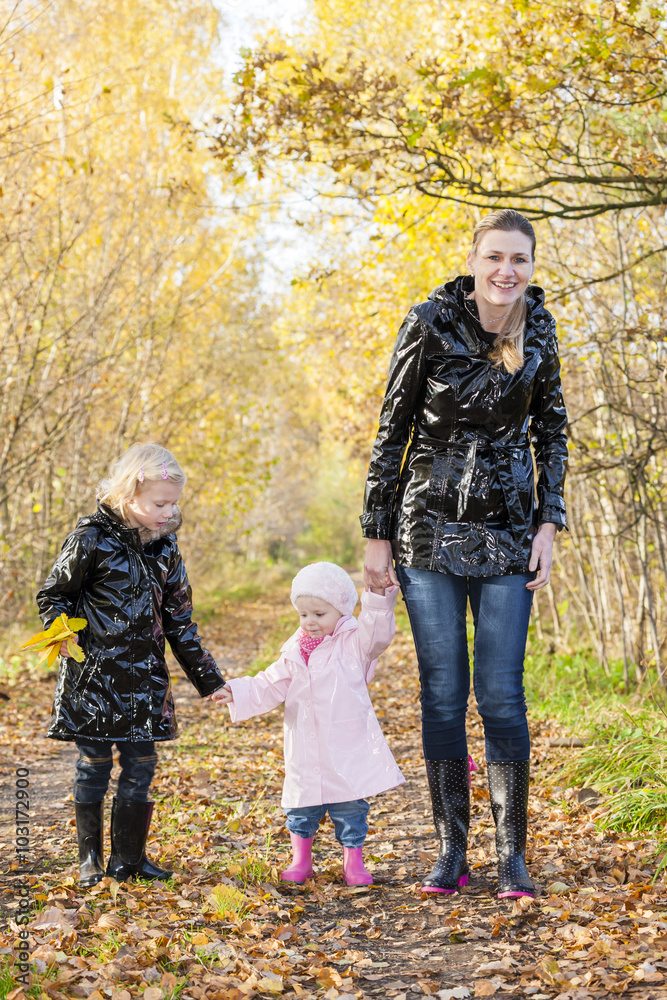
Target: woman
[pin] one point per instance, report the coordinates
(474, 377)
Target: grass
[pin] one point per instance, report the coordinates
(565, 685)
(7, 983)
(625, 735)
(227, 902)
(254, 868)
(625, 759)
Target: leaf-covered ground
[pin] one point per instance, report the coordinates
(225, 928)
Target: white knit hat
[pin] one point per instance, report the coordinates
(328, 582)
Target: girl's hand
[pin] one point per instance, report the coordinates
(379, 569)
(541, 556)
(63, 646)
(223, 696)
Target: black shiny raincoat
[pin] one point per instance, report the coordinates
(462, 499)
(133, 596)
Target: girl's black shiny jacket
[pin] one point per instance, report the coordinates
(133, 597)
(462, 499)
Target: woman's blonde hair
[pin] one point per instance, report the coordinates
(139, 468)
(508, 350)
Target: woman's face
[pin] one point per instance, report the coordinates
(502, 265)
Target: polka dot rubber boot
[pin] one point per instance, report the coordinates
(508, 788)
(448, 782)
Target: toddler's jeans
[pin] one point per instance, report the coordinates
(349, 820)
(93, 769)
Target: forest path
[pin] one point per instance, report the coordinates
(597, 929)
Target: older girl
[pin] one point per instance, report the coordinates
(121, 570)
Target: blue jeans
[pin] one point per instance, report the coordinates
(93, 769)
(349, 820)
(437, 605)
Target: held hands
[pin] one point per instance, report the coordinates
(541, 556)
(379, 571)
(223, 696)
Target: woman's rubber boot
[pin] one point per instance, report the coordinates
(130, 823)
(302, 860)
(90, 835)
(354, 870)
(508, 788)
(449, 784)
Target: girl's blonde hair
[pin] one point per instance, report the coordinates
(508, 350)
(139, 468)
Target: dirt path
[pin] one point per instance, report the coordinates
(599, 931)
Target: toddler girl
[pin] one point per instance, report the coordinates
(121, 570)
(335, 752)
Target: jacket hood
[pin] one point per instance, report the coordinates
(111, 521)
(452, 294)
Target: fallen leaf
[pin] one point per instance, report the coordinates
(111, 921)
(558, 888)
(484, 988)
(153, 993)
(267, 985)
(55, 918)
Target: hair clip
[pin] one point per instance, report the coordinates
(165, 474)
(140, 477)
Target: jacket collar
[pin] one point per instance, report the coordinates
(111, 522)
(452, 293)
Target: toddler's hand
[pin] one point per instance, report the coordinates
(376, 590)
(223, 696)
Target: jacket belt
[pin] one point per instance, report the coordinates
(504, 466)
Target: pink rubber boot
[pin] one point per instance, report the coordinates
(472, 766)
(302, 860)
(354, 871)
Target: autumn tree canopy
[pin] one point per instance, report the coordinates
(556, 109)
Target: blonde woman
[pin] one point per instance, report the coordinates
(474, 380)
(121, 570)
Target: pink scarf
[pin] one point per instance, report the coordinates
(307, 644)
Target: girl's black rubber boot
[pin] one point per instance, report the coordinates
(130, 822)
(90, 835)
(449, 785)
(508, 788)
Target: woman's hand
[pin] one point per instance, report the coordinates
(541, 556)
(379, 569)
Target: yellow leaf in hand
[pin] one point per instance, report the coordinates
(75, 650)
(76, 624)
(53, 653)
(55, 627)
(40, 637)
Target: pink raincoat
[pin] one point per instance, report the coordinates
(334, 747)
